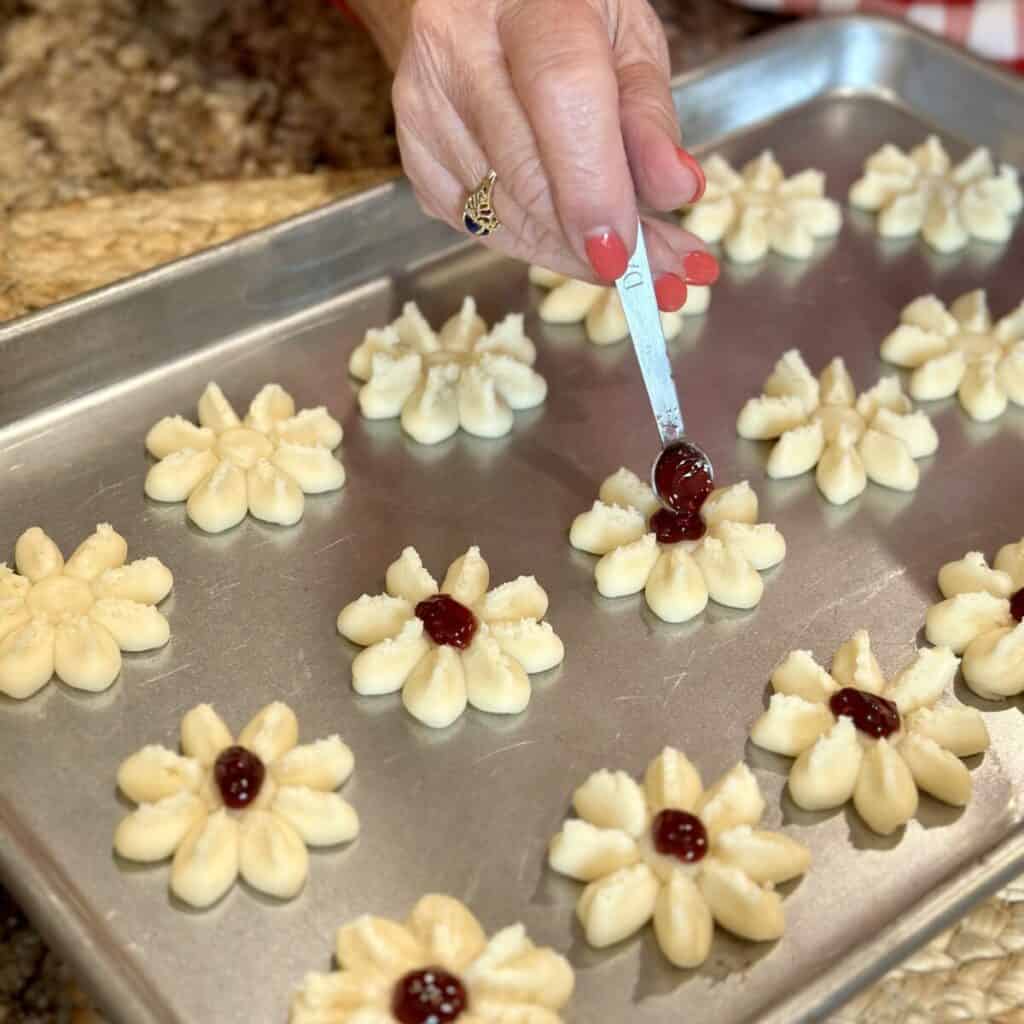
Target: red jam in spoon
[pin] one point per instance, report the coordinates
(671, 527)
(682, 476)
(447, 621)
(239, 775)
(1017, 605)
(873, 715)
(681, 835)
(428, 996)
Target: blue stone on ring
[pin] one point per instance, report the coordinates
(471, 225)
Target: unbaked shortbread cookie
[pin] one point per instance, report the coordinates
(576, 302)
(855, 736)
(464, 376)
(820, 422)
(73, 619)
(922, 191)
(960, 351)
(225, 467)
(670, 850)
(436, 967)
(225, 807)
(447, 646)
(982, 618)
(719, 558)
(759, 208)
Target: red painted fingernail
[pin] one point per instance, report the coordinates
(671, 292)
(689, 161)
(607, 254)
(700, 268)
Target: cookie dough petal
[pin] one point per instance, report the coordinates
(936, 771)
(506, 338)
(384, 666)
(204, 734)
(331, 998)
(449, 933)
(376, 339)
(747, 240)
(215, 411)
(220, 500)
(431, 413)
(626, 570)
(205, 865)
(761, 544)
(175, 434)
(959, 729)
(924, 680)
(274, 497)
(836, 384)
(903, 215)
(14, 614)
(790, 237)
(467, 578)
(535, 645)
(272, 733)
(12, 586)
(791, 725)
(272, 856)
(313, 468)
(887, 461)
(854, 664)
(841, 475)
(993, 664)
(938, 378)
(154, 772)
(672, 781)
(521, 598)
(270, 405)
(765, 419)
(801, 676)
(569, 300)
(154, 831)
(407, 578)
(393, 379)
(85, 654)
(731, 580)
(606, 321)
(494, 682)
(825, 775)
(134, 626)
(676, 589)
(177, 475)
(943, 229)
(739, 904)
(1011, 561)
(612, 800)
(513, 971)
(625, 489)
(370, 619)
(886, 794)
(792, 376)
(376, 946)
(519, 385)
(761, 855)
(797, 451)
(605, 527)
(36, 556)
(911, 346)
(324, 764)
(435, 692)
(482, 410)
(310, 427)
(914, 429)
(1011, 375)
(320, 819)
(735, 799)
(711, 218)
(972, 573)
(618, 905)
(682, 922)
(146, 580)
(586, 853)
(981, 394)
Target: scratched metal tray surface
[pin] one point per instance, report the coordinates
(469, 810)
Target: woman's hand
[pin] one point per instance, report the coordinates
(568, 101)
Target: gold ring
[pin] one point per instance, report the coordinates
(478, 215)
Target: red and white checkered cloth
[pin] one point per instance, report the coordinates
(993, 29)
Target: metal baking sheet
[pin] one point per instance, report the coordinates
(469, 810)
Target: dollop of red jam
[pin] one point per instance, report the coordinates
(239, 774)
(1017, 605)
(682, 477)
(447, 621)
(681, 835)
(873, 715)
(428, 996)
(671, 527)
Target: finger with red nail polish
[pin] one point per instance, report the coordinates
(607, 254)
(689, 161)
(700, 268)
(670, 292)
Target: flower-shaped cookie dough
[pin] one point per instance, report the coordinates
(73, 619)
(672, 851)
(821, 422)
(960, 351)
(225, 468)
(982, 618)
(678, 561)
(854, 736)
(447, 646)
(225, 808)
(921, 191)
(577, 302)
(437, 967)
(465, 376)
(759, 208)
